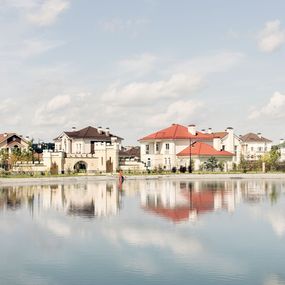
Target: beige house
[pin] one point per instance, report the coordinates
(254, 146)
(170, 147)
(88, 150)
(10, 141)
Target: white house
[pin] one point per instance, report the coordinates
(254, 146)
(87, 150)
(171, 147)
(281, 147)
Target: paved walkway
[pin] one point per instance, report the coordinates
(76, 179)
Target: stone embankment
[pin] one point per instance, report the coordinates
(80, 179)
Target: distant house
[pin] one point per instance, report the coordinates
(254, 146)
(170, 147)
(86, 150)
(10, 141)
(281, 147)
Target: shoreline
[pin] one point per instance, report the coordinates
(87, 178)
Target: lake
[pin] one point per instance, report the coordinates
(143, 232)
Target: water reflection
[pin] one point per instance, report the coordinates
(176, 201)
(85, 200)
(147, 232)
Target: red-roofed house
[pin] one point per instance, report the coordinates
(170, 147)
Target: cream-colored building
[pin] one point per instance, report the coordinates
(254, 146)
(91, 150)
(170, 147)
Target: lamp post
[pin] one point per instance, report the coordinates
(190, 155)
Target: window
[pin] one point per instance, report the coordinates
(169, 161)
(157, 146)
(223, 147)
(165, 161)
(260, 148)
(147, 149)
(252, 148)
(167, 146)
(148, 162)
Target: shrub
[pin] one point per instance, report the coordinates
(173, 169)
(182, 169)
(54, 169)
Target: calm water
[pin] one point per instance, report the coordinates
(149, 232)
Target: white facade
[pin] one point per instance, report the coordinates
(162, 153)
(90, 150)
(255, 149)
(282, 150)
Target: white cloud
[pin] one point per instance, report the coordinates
(139, 64)
(274, 108)
(272, 37)
(58, 102)
(137, 93)
(132, 26)
(177, 112)
(39, 12)
(48, 12)
(61, 110)
(26, 49)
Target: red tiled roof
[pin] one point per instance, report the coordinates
(176, 131)
(220, 134)
(203, 149)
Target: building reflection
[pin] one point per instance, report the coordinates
(185, 201)
(86, 200)
(175, 201)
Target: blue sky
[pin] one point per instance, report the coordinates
(138, 66)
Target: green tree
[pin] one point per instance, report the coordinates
(271, 158)
(4, 157)
(211, 164)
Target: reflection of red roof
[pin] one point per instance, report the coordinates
(220, 134)
(176, 131)
(203, 149)
(175, 215)
(201, 201)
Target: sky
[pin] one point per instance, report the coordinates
(137, 66)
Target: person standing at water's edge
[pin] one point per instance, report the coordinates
(121, 177)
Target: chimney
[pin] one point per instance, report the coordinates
(100, 130)
(107, 131)
(259, 135)
(192, 129)
(210, 131)
(229, 129)
(281, 141)
(5, 135)
(73, 129)
(203, 131)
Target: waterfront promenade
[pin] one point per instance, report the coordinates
(76, 179)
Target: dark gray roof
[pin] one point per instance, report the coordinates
(91, 133)
(251, 137)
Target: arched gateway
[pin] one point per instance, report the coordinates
(80, 166)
